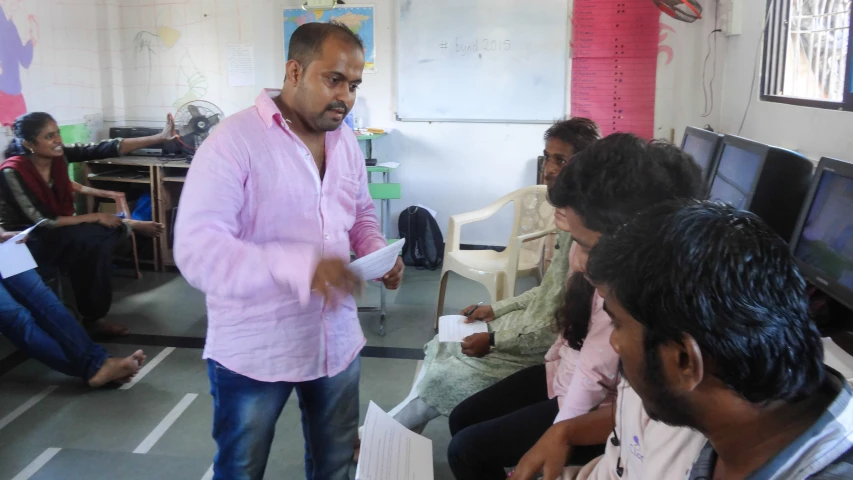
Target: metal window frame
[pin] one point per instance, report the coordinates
(775, 56)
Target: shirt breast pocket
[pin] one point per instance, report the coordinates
(348, 189)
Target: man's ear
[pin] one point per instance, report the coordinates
(292, 72)
(684, 363)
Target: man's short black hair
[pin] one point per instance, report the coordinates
(308, 39)
(578, 132)
(722, 276)
(620, 175)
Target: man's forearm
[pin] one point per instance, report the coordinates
(592, 428)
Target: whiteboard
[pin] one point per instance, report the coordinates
(482, 60)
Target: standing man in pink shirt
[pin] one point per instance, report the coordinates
(274, 202)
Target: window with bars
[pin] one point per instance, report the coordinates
(807, 59)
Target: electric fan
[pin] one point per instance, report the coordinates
(685, 10)
(194, 121)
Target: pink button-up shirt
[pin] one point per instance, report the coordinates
(254, 220)
(583, 379)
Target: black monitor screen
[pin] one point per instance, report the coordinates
(827, 239)
(735, 176)
(701, 149)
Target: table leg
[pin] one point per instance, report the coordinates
(382, 310)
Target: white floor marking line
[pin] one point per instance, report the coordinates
(36, 464)
(164, 424)
(209, 474)
(26, 406)
(146, 369)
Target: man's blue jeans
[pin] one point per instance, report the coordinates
(245, 412)
(36, 322)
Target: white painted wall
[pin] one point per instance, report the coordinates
(813, 132)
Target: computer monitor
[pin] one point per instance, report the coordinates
(704, 146)
(769, 181)
(823, 238)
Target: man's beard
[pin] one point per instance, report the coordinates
(661, 403)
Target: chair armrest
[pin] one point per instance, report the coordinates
(536, 235)
(456, 222)
(513, 251)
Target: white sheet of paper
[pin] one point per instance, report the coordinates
(15, 257)
(388, 164)
(452, 328)
(390, 451)
(241, 65)
(378, 263)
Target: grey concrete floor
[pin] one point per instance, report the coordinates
(52, 427)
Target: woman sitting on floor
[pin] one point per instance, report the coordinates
(38, 324)
(35, 187)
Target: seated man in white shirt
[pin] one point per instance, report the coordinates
(637, 448)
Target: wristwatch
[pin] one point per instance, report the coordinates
(491, 339)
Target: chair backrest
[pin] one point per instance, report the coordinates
(533, 214)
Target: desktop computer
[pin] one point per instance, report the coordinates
(704, 146)
(823, 237)
(768, 181)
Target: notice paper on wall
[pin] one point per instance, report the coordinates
(452, 328)
(241, 65)
(15, 257)
(390, 451)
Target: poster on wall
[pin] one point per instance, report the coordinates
(358, 18)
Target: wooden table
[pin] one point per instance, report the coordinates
(163, 178)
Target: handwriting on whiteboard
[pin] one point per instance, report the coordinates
(468, 47)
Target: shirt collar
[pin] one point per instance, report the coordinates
(703, 467)
(268, 109)
(271, 114)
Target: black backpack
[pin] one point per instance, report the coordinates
(424, 246)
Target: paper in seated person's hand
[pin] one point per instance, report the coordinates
(392, 279)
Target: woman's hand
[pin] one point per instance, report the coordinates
(4, 236)
(34, 29)
(108, 220)
(168, 132)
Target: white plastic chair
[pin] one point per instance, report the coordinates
(497, 271)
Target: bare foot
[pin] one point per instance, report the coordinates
(108, 329)
(139, 356)
(148, 229)
(116, 369)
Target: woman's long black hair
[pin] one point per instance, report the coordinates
(572, 316)
(27, 127)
